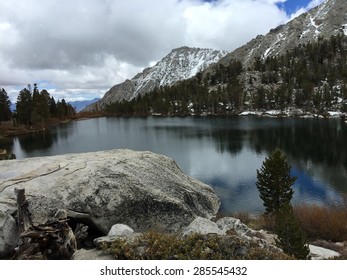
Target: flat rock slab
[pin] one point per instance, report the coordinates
(141, 189)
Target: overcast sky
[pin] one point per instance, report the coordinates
(78, 49)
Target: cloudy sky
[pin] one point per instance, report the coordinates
(79, 49)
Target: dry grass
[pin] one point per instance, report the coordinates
(256, 222)
(322, 222)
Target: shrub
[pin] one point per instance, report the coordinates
(162, 246)
(329, 223)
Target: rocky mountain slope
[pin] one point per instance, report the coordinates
(325, 20)
(179, 64)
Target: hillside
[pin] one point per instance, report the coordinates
(179, 64)
(311, 77)
(323, 21)
(299, 66)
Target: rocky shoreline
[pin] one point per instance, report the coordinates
(122, 195)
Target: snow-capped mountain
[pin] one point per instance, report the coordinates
(325, 20)
(179, 64)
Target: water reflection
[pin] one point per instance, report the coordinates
(223, 152)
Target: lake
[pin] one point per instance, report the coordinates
(222, 152)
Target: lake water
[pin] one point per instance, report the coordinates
(222, 152)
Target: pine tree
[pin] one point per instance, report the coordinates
(24, 106)
(290, 236)
(5, 103)
(274, 182)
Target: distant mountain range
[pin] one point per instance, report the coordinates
(80, 105)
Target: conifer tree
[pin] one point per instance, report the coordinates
(290, 236)
(5, 103)
(24, 106)
(274, 182)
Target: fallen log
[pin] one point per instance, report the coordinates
(51, 240)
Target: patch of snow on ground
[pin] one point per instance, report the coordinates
(319, 253)
(334, 114)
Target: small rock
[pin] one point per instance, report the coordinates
(230, 223)
(320, 253)
(120, 230)
(93, 254)
(202, 226)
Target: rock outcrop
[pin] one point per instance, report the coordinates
(141, 189)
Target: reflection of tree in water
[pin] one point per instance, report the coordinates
(6, 143)
(37, 141)
(229, 140)
(309, 140)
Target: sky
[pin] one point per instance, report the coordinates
(79, 49)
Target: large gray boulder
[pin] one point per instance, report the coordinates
(141, 189)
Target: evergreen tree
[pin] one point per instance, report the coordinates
(290, 236)
(5, 106)
(24, 106)
(274, 182)
(53, 107)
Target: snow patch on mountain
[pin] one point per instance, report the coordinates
(325, 20)
(180, 64)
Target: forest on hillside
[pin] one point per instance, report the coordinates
(312, 77)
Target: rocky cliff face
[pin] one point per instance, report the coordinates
(325, 20)
(180, 64)
(141, 189)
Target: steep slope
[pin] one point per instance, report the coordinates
(179, 64)
(325, 20)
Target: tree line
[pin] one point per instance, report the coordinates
(34, 106)
(311, 77)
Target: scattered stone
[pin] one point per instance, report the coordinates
(202, 226)
(230, 223)
(93, 254)
(120, 230)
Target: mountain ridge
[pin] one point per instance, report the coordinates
(180, 64)
(324, 20)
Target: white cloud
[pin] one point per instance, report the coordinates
(90, 45)
(309, 6)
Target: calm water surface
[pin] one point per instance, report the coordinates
(222, 152)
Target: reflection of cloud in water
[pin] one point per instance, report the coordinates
(234, 180)
(222, 152)
(313, 190)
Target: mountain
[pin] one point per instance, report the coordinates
(180, 64)
(297, 67)
(325, 20)
(80, 105)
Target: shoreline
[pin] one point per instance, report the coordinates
(9, 130)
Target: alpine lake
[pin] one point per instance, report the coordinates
(222, 152)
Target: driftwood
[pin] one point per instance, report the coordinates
(52, 240)
(24, 216)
